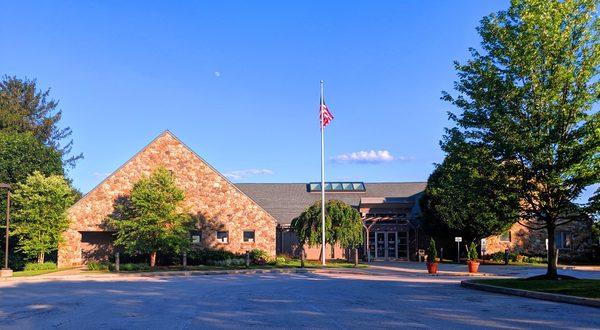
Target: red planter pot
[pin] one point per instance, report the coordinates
(473, 266)
(432, 267)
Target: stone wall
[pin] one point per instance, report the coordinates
(210, 198)
(533, 242)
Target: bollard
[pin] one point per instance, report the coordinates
(117, 262)
(184, 260)
(247, 259)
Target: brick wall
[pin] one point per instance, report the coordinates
(210, 198)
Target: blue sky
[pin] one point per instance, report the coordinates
(238, 81)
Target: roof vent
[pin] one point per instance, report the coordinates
(337, 187)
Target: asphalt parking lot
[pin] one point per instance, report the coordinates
(367, 299)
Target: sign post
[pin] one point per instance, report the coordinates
(458, 240)
(483, 249)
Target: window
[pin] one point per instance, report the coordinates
(249, 236)
(505, 236)
(563, 239)
(337, 187)
(196, 237)
(223, 236)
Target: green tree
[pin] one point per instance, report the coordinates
(343, 225)
(151, 219)
(40, 215)
(527, 96)
(24, 108)
(469, 194)
(308, 225)
(21, 154)
(346, 225)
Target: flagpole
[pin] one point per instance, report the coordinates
(322, 179)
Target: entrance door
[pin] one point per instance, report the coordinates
(391, 249)
(381, 246)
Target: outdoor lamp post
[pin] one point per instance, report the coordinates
(6, 272)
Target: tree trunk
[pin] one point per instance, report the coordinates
(551, 272)
(355, 257)
(152, 259)
(302, 256)
(40, 258)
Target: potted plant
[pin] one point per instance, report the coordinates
(472, 258)
(432, 263)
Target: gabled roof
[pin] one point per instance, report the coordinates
(285, 201)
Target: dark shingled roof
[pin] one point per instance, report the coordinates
(285, 201)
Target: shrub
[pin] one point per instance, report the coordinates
(231, 262)
(37, 266)
(472, 254)
(207, 257)
(97, 266)
(280, 260)
(432, 251)
(258, 254)
(132, 267)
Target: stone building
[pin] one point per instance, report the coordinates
(573, 240)
(389, 212)
(244, 216)
(226, 218)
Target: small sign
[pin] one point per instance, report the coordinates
(483, 245)
(421, 252)
(458, 239)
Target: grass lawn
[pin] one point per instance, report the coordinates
(579, 288)
(36, 272)
(294, 263)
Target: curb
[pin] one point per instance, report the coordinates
(217, 272)
(180, 273)
(532, 294)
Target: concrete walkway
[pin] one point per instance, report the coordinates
(384, 296)
(460, 270)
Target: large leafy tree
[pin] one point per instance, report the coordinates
(40, 215)
(343, 225)
(308, 226)
(469, 194)
(346, 225)
(24, 108)
(527, 96)
(21, 154)
(151, 219)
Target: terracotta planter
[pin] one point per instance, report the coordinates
(432, 267)
(473, 266)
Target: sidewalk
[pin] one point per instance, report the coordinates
(416, 268)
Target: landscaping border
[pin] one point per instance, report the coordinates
(532, 294)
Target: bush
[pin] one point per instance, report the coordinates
(280, 260)
(97, 266)
(231, 262)
(472, 254)
(432, 251)
(36, 266)
(258, 255)
(208, 257)
(131, 267)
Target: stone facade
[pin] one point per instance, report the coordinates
(525, 241)
(215, 203)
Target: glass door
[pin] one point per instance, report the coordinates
(403, 245)
(392, 251)
(380, 250)
(372, 246)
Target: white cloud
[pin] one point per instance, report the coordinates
(217, 74)
(240, 174)
(367, 157)
(100, 175)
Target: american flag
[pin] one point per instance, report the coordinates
(325, 116)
